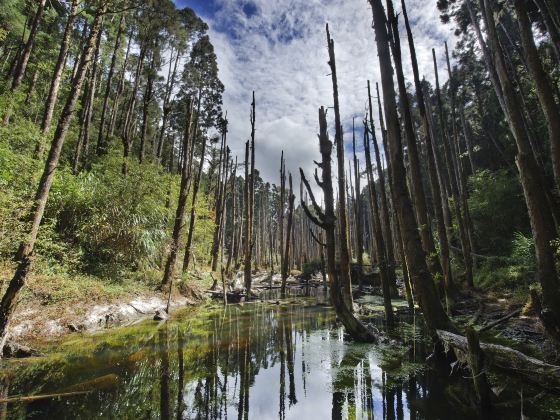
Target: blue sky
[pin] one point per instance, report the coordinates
(278, 49)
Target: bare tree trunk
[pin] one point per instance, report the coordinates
(166, 105)
(57, 75)
(24, 255)
(120, 89)
(543, 86)
(438, 198)
(417, 190)
(358, 213)
(461, 176)
(233, 240)
(181, 203)
(434, 314)
(127, 135)
(24, 58)
(453, 185)
(345, 282)
(281, 214)
(285, 267)
(101, 140)
(377, 234)
(249, 204)
(91, 93)
(196, 186)
(326, 220)
(542, 222)
(384, 207)
(551, 26)
(219, 200)
(147, 100)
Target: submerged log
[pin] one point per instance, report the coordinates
(508, 360)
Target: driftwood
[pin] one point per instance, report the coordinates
(508, 360)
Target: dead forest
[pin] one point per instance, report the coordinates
(116, 160)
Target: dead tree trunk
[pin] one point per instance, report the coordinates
(285, 267)
(453, 182)
(396, 231)
(542, 222)
(358, 213)
(196, 186)
(326, 220)
(438, 198)
(281, 213)
(378, 234)
(345, 282)
(249, 202)
(24, 254)
(424, 287)
(417, 190)
(219, 199)
(543, 86)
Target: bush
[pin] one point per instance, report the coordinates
(310, 268)
(497, 210)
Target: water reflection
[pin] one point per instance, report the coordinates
(257, 361)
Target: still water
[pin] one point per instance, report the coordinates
(253, 361)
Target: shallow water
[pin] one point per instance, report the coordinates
(258, 361)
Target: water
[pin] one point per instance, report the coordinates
(253, 361)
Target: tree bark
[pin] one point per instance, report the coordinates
(196, 186)
(378, 235)
(24, 255)
(358, 212)
(434, 314)
(345, 281)
(326, 220)
(181, 203)
(545, 91)
(438, 196)
(417, 190)
(542, 222)
(24, 58)
(58, 70)
(101, 140)
(285, 267)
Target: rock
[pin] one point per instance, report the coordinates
(76, 328)
(13, 349)
(160, 315)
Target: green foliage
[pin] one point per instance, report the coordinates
(311, 267)
(523, 250)
(497, 209)
(97, 221)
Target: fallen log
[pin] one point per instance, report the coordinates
(507, 360)
(499, 321)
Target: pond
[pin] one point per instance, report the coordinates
(266, 360)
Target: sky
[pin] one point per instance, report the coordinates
(278, 48)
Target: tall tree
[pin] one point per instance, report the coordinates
(24, 255)
(181, 202)
(326, 220)
(345, 281)
(434, 315)
(542, 222)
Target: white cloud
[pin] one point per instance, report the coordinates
(280, 52)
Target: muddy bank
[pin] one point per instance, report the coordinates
(36, 323)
